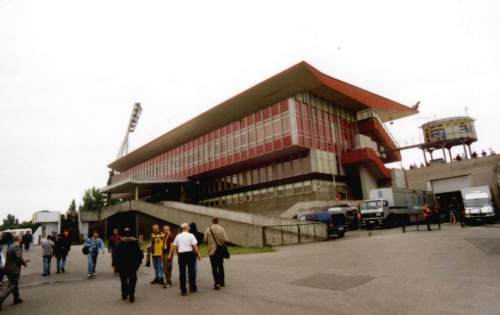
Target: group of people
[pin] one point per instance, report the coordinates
(58, 246)
(127, 256)
(128, 253)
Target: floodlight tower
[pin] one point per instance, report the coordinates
(132, 124)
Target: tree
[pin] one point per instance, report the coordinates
(92, 200)
(72, 206)
(10, 222)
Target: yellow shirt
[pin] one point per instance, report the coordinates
(157, 240)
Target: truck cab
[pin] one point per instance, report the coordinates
(373, 212)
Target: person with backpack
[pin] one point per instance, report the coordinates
(215, 237)
(92, 247)
(128, 257)
(61, 250)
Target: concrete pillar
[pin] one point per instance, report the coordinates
(465, 151)
(425, 156)
(136, 194)
(444, 154)
(449, 153)
(368, 182)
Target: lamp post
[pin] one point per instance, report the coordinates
(132, 124)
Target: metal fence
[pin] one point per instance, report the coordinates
(294, 234)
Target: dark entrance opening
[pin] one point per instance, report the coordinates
(450, 200)
(138, 222)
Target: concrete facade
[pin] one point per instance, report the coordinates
(481, 171)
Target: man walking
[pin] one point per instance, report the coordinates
(13, 264)
(47, 253)
(94, 245)
(156, 249)
(28, 238)
(215, 237)
(61, 250)
(427, 216)
(128, 257)
(167, 263)
(114, 240)
(185, 244)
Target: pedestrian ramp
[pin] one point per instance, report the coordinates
(244, 229)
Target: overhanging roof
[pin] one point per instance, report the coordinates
(128, 185)
(299, 78)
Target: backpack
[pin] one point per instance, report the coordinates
(85, 249)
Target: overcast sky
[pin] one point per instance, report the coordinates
(70, 72)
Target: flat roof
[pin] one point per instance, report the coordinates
(290, 82)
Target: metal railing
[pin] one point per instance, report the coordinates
(294, 234)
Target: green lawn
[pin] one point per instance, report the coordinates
(238, 250)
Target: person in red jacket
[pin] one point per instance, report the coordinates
(114, 240)
(427, 216)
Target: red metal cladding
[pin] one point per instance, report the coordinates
(368, 156)
(372, 128)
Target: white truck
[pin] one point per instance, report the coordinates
(478, 205)
(387, 207)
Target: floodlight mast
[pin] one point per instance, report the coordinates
(132, 124)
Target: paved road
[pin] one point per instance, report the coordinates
(452, 271)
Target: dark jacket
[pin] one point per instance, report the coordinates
(128, 255)
(14, 260)
(62, 247)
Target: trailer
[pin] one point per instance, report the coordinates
(388, 207)
(478, 204)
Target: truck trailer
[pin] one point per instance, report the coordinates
(478, 204)
(388, 207)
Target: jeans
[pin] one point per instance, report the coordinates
(46, 264)
(60, 263)
(158, 266)
(92, 261)
(217, 263)
(128, 281)
(187, 260)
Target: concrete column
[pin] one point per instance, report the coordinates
(449, 153)
(444, 154)
(465, 151)
(136, 194)
(425, 156)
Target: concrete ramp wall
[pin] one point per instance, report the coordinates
(243, 229)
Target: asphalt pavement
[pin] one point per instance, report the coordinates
(448, 271)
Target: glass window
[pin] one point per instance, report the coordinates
(285, 122)
(244, 137)
(298, 188)
(289, 189)
(276, 127)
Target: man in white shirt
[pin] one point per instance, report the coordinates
(186, 246)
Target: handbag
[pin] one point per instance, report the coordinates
(221, 249)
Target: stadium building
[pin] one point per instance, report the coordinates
(300, 135)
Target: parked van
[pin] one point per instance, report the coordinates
(336, 221)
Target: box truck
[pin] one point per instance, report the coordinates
(478, 204)
(387, 207)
